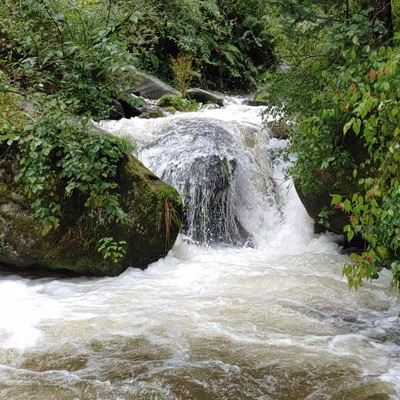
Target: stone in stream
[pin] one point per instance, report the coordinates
(154, 218)
(202, 96)
(130, 106)
(151, 87)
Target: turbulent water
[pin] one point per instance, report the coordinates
(210, 321)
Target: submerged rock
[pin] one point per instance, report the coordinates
(256, 103)
(202, 96)
(152, 88)
(154, 218)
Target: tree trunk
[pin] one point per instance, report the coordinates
(383, 13)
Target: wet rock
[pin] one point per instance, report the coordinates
(256, 103)
(331, 181)
(213, 161)
(129, 106)
(152, 88)
(210, 107)
(202, 96)
(116, 110)
(278, 131)
(316, 203)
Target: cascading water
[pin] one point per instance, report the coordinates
(275, 321)
(222, 170)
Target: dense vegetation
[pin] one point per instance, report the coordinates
(343, 92)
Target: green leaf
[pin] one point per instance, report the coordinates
(382, 250)
(350, 235)
(336, 199)
(348, 125)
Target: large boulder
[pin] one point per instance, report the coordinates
(202, 96)
(154, 218)
(218, 168)
(151, 87)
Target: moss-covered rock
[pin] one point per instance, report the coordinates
(154, 218)
(315, 192)
(168, 100)
(153, 113)
(179, 103)
(171, 110)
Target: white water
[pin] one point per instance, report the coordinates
(207, 323)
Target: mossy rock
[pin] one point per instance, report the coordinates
(167, 100)
(150, 114)
(171, 110)
(333, 180)
(154, 212)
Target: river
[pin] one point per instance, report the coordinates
(269, 318)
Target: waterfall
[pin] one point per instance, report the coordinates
(222, 169)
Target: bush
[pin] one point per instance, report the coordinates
(347, 136)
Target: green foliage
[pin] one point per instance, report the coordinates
(112, 251)
(230, 40)
(62, 156)
(50, 46)
(62, 60)
(183, 67)
(347, 137)
(179, 103)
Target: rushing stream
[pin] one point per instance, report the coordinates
(267, 315)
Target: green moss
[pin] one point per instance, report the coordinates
(3, 192)
(167, 100)
(151, 114)
(170, 109)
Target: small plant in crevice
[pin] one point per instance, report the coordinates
(184, 67)
(112, 250)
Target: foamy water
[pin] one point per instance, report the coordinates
(207, 322)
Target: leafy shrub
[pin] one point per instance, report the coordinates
(347, 136)
(183, 67)
(73, 67)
